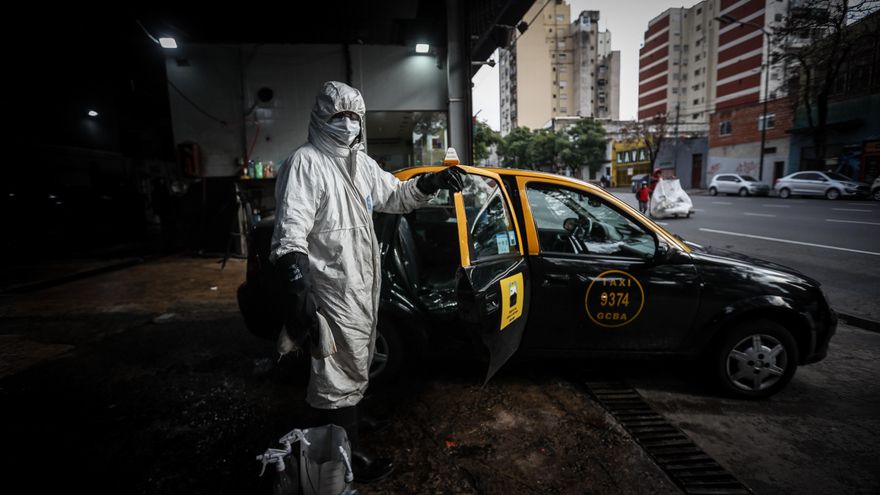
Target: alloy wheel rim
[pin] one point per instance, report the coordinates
(756, 362)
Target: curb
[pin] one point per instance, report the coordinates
(859, 322)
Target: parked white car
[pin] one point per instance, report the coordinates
(744, 185)
(814, 183)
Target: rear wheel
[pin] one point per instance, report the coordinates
(876, 194)
(756, 359)
(713, 191)
(784, 193)
(743, 192)
(832, 194)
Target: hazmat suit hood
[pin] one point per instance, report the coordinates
(336, 97)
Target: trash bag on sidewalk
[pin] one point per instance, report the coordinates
(670, 200)
(323, 459)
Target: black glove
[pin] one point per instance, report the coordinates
(298, 303)
(449, 178)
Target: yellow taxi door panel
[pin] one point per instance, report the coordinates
(492, 283)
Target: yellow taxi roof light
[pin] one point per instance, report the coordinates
(451, 157)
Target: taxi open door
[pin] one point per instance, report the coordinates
(492, 283)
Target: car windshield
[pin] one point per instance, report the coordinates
(749, 178)
(836, 176)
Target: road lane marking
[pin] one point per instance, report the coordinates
(759, 214)
(699, 209)
(862, 204)
(776, 206)
(721, 203)
(661, 223)
(852, 209)
(851, 221)
(750, 236)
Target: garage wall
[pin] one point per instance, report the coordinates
(390, 77)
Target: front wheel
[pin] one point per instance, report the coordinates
(832, 194)
(784, 193)
(876, 194)
(755, 359)
(743, 192)
(713, 191)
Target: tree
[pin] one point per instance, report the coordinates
(649, 132)
(587, 144)
(820, 37)
(545, 148)
(513, 149)
(484, 138)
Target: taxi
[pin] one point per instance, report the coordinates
(540, 265)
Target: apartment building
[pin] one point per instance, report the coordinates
(692, 64)
(558, 68)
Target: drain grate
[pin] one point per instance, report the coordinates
(686, 464)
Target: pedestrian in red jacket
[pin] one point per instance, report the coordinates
(643, 195)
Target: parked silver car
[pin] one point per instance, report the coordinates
(744, 185)
(813, 183)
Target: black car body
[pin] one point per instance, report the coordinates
(549, 266)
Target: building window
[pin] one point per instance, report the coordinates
(563, 56)
(560, 18)
(725, 128)
(695, 116)
(778, 17)
(563, 96)
(696, 101)
(563, 84)
(563, 110)
(699, 27)
(697, 58)
(770, 120)
(697, 72)
(563, 69)
(675, 91)
(676, 48)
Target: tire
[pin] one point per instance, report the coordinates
(743, 369)
(832, 194)
(876, 194)
(390, 355)
(784, 193)
(713, 191)
(743, 192)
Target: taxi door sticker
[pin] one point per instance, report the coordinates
(512, 295)
(614, 299)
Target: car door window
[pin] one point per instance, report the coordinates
(575, 222)
(489, 220)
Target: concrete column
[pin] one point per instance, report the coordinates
(458, 81)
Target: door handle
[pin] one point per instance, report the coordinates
(556, 279)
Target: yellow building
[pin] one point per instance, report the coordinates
(628, 158)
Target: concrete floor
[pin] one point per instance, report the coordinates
(145, 381)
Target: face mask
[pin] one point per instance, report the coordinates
(344, 129)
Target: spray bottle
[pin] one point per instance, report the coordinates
(284, 484)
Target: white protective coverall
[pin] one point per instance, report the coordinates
(325, 194)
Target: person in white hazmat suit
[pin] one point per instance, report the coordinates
(327, 256)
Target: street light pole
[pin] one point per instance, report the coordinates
(728, 19)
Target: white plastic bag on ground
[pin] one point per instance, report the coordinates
(670, 200)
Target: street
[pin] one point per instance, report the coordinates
(834, 242)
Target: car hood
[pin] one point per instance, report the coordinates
(719, 260)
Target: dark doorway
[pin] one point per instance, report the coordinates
(697, 170)
(778, 170)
